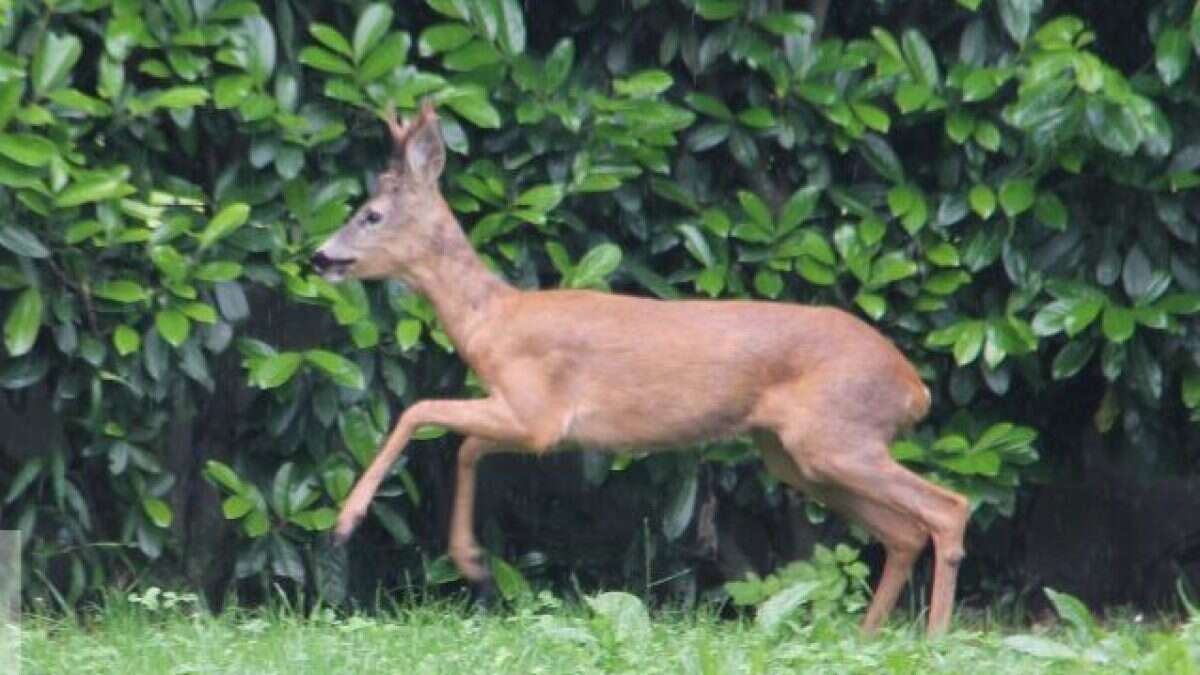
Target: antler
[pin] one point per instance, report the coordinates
(398, 129)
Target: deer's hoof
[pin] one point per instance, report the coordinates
(484, 596)
(470, 564)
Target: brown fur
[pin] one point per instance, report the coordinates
(821, 392)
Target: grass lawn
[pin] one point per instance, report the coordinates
(612, 635)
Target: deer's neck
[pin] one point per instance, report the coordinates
(463, 291)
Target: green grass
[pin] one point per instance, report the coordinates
(543, 637)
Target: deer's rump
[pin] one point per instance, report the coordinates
(635, 372)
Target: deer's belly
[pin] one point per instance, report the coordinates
(648, 423)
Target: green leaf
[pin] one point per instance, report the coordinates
(217, 271)
(443, 37)
(709, 105)
(1142, 282)
(985, 463)
(624, 613)
(275, 370)
(512, 27)
(799, 207)
(393, 522)
(158, 511)
(236, 506)
(1115, 126)
(768, 282)
(21, 241)
(224, 223)
(10, 99)
(815, 272)
(596, 266)
(891, 267)
(260, 47)
(339, 369)
(509, 580)
(1050, 211)
(759, 118)
(872, 116)
(543, 198)
(126, 340)
(787, 23)
(408, 333)
(173, 326)
(93, 188)
(969, 343)
(56, 55)
(987, 136)
(1016, 196)
(901, 199)
(475, 54)
(1073, 612)
(372, 25)
(120, 290)
(477, 109)
(28, 149)
(224, 476)
(880, 155)
(979, 85)
(30, 470)
(644, 84)
(959, 125)
(321, 59)
(388, 56)
(331, 38)
(1016, 15)
(718, 10)
(1059, 33)
(1118, 323)
(1072, 358)
(919, 55)
(873, 305)
(943, 254)
(756, 208)
(912, 96)
(23, 322)
(178, 98)
(1172, 55)
(772, 613)
(201, 312)
(1081, 313)
(230, 90)
(559, 64)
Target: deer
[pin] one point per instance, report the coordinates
(820, 392)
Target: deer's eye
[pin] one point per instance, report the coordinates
(373, 217)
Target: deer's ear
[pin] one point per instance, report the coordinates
(425, 153)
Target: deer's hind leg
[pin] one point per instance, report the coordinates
(853, 464)
(902, 538)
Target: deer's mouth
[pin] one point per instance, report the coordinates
(332, 269)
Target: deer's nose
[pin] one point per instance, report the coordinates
(320, 261)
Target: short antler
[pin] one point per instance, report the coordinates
(398, 129)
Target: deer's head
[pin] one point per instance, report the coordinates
(397, 226)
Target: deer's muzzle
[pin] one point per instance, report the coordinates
(330, 267)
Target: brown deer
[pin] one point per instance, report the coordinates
(821, 392)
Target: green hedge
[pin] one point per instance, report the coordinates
(1005, 190)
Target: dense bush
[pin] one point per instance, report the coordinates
(1005, 188)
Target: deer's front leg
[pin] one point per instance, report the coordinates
(488, 418)
(463, 548)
